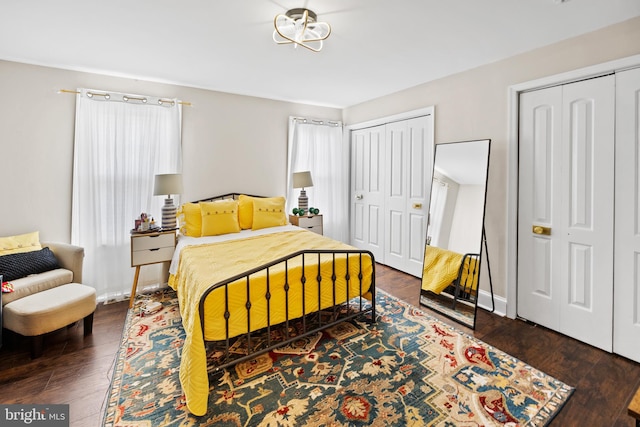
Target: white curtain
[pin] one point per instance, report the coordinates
(119, 146)
(317, 146)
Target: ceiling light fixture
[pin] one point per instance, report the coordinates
(300, 27)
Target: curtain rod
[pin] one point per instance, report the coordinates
(126, 98)
(316, 122)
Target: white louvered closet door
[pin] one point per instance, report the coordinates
(626, 321)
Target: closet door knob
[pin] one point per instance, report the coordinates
(538, 229)
(359, 196)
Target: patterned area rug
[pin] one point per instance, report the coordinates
(408, 369)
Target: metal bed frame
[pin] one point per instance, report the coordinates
(354, 306)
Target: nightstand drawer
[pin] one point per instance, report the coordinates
(154, 241)
(151, 256)
(309, 221)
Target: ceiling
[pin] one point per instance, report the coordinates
(376, 47)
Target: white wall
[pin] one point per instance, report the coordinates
(230, 143)
(466, 224)
(474, 105)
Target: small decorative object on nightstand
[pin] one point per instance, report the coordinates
(150, 248)
(311, 223)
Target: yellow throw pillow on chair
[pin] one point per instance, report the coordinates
(20, 243)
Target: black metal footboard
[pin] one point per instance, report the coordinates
(466, 284)
(304, 272)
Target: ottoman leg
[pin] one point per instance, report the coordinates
(88, 325)
(36, 346)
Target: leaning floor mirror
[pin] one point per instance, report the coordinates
(451, 269)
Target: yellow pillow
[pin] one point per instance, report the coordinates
(268, 212)
(191, 220)
(20, 243)
(245, 211)
(219, 217)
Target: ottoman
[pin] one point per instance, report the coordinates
(49, 310)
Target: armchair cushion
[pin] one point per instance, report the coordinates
(37, 283)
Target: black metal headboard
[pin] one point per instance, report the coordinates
(233, 196)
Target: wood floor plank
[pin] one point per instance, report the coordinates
(77, 370)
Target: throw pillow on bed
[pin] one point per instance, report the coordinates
(268, 212)
(191, 220)
(219, 217)
(245, 211)
(22, 264)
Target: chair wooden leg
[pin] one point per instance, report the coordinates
(36, 346)
(88, 325)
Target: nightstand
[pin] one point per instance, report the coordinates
(311, 223)
(150, 248)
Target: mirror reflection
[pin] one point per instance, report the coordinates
(452, 255)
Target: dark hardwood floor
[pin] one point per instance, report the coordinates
(73, 369)
(78, 371)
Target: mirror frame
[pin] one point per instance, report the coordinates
(441, 309)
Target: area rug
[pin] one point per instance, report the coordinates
(407, 369)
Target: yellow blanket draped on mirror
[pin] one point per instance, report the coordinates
(441, 267)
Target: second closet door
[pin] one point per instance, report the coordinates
(390, 184)
(565, 231)
(626, 320)
(408, 160)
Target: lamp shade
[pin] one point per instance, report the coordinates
(169, 183)
(302, 179)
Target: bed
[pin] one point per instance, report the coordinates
(235, 289)
(457, 274)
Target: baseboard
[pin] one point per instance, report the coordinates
(484, 302)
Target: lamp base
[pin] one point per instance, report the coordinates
(303, 200)
(168, 214)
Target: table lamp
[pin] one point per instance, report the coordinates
(302, 180)
(168, 184)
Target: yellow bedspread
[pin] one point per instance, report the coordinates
(441, 269)
(203, 265)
